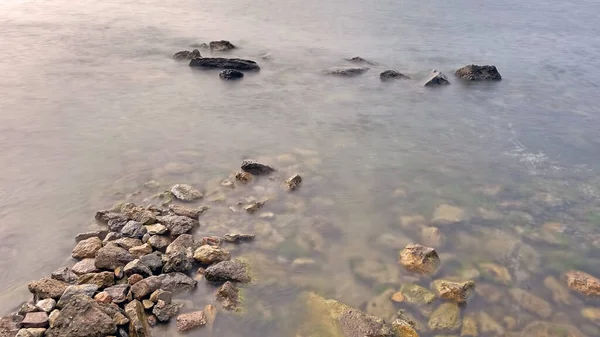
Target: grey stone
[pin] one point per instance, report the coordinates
(118, 292)
(84, 317)
(392, 75)
(145, 238)
(256, 168)
(153, 261)
(134, 229)
(436, 78)
(184, 242)
(112, 256)
(64, 274)
(238, 238)
(233, 270)
(186, 55)
(164, 311)
(178, 261)
(47, 288)
(222, 45)
(478, 73)
(71, 291)
(347, 72)
(193, 213)
(185, 192)
(176, 282)
(231, 74)
(177, 224)
(115, 225)
(106, 216)
(111, 236)
(138, 213)
(159, 242)
(224, 63)
(101, 234)
(85, 266)
(31, 332)
(26, 308)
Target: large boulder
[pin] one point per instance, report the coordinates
(47, 288)
(231, 74)
(224, 63)
(187, 55)
(177, 224)
(436, 78)
(112, 256)
(222, 45)
(389, 75)
(186, 192)
(421, 259)
(72, 291)
(233, 270)
(347, 72)
(478, 73)
(583, 283)
(84, 317)
(138, 322)
(87, 248)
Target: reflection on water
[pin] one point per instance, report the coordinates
(93, 107)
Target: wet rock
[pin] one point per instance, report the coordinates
(382, 305)
(173, 282)
(112, 256)
(111, 237)
(224, 63)
(228, 296)
(140, 251)
(403, 328)
(411, 221)
(592, 314)
(138, 214)
(392, 75)
(190, 320)
(193, 213)
(214, 241)
(178, 261)
(421, 259)
(106, 216)
(254, 206)
(64, 274)
(47, 288)
(209, 254)
(177, 224)
(222, 45)
(156, 229)
(101, 234)
(118, 293)
(145, 287)
(256, 168)
(488, 325)
(84, 317)
(358, 59)
(187, 55)
(46, 305)
(447, 215)
(560, 294)
(115, 225)
(10, 324)
(233, 270)
(445, 317)
(548, 329)
(238, 238)
(159, 242)
(469, 326)
(85, 266)
(102, 280)
(496, 272)
(489, 292)
(164, 311)
(32, 332)
(432, 236)
(478, 73)
(436, 78)
(231, 74)
(137, 267)
(133, 229)
(453, 291)
(128, 243)
(293, 182)
(153, 261)
(185, 192)
(415, 294)
(35, 320)
(87, 248)
(243, 177)
(72, 291)
(138, 323)
(347, 72)
(583, 283)
(531, 302)
(373, 271)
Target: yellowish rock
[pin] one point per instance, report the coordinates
(531, 302)
(411, 221)
(420, 259)
(560, 294)
(398, 297)
(469, 326)
(453, 291)
(416, 294)
(497, 272)
(592, 314)
(583, 282)
(488, 325)
(445, 317)
(431, 236)
(447, 215)
(403, 329)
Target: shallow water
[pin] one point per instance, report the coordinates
(92, 106)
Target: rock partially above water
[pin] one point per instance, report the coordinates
(445, 317)
(164, 311)
(478, 73)
(222, 45)
(187, 55)
(436, 78)
(190, 320)
(228, 296)
(233, 270)
(417, 258)
(346, 72)
(87, 248)
(392, 75)
(453, 291)
(293, 182)
(178, 224)
(193, 213)
(47, 288)
(583, 283)
(238, 238)
(209, 254)
(84, 317)
(185, 192)
(112, 256)
(224, 63)
(256, 168)
(231, 74)
(358, 59)
(65, 274)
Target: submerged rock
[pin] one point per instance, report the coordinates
(392, 75)
(224, 63)
(185, 192)
(414, 294)
(193, 213)
(373, 271)
(549, 329)
(233, 270)
(231, 74)
(293, 182)
(488, 325)
(47, 288)
(436, 78)
(187, 55)
(445, 317)
(453, 291)
(228, 296)
(256, 168)
(583, 283)
(382, 305)
(560, 294)
(358, 59)
(497, 272)
(222, 45)
(84, 317)
(238, 238)
(190, 320)
(448, 215)
(478, 73)
(346, 72)
(421, 259)
(531, 302)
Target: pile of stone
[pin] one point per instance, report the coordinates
(128, 272)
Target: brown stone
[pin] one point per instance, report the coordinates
(35, 320)
(453, 291)
(583, 283)
(103, 297)
(138, 323)
(47, 288)
(87, 248)
(421, 259)
(190, 320)
(135, 278)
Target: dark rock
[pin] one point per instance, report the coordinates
(87, 248)
(220, 45)
(187, 55)
(209, 254)
(10, 324)
(231, 74)
(178, 261)
(293, 182)
(190, 320)
(115, 225)
(238, 238)
(35, 320)
(47, 288)
(137, 267)
(159, 242)
(84, 317)
(233, 270)
(138, 323)
(255, 168)
(347, 72)
(199, 45)
(164, 311)
(478, 73)
(224, 63)
(64, 274)
(85, 266)
(106, 216)
(72, 291)
(153, 261)
(101, 234)
(185, 192)
(102, 280)
(133, 229)
(118, 293)
(436, 78)
(176, 282)
(112, 256)
(228, 295)
(358, 59)
(193, 213)
(392, 75)
(177, 224)
(123, 332)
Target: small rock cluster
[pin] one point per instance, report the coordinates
(128, 272)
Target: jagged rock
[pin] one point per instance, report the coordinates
(31, 332)
(392, 75)
(47, 288)
(382, 305)
(112, 256)
(358, 59)
(52, 317)
(135, 278)
(147, 304)
(145, 287)
(27, 308)
(421, 259)
(140, 251)
(106, 216)
(87, 248)
(85, 266)
(120, 319)
(190, 320)
(159, 242)
(238, 238)
(231, 74)
(115, 225)
(10, 324)
(373, 271)
(415, 294)
(178, 261)
(436, 78)
(193, 213)
(173, 282)
(453, 291)
(222, 45)
(228, 295)
(102, 280)
(293, 182)
(256, 168)
(185, 192)
(177, 224)
(64, 274)
(224, 63)
(488, 325)
(209, 254)
(137, 267)
(111, 236)
(478, 73)
(184, 242)
(164, 311)
(133, 229)
(46, 305)
(187, 55)
(101, 234)
(103, 297)
(404, 329)
(254, 206)
(118, 293)
(243, 177)
(445, 317)
(156, 229)
(138, 323)
(35, 320)
(72, 291)
(531, 302)
(153, 261)
(347, 72)
(84, 317)
(233, 270)
(583, 283)
(138, 214)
